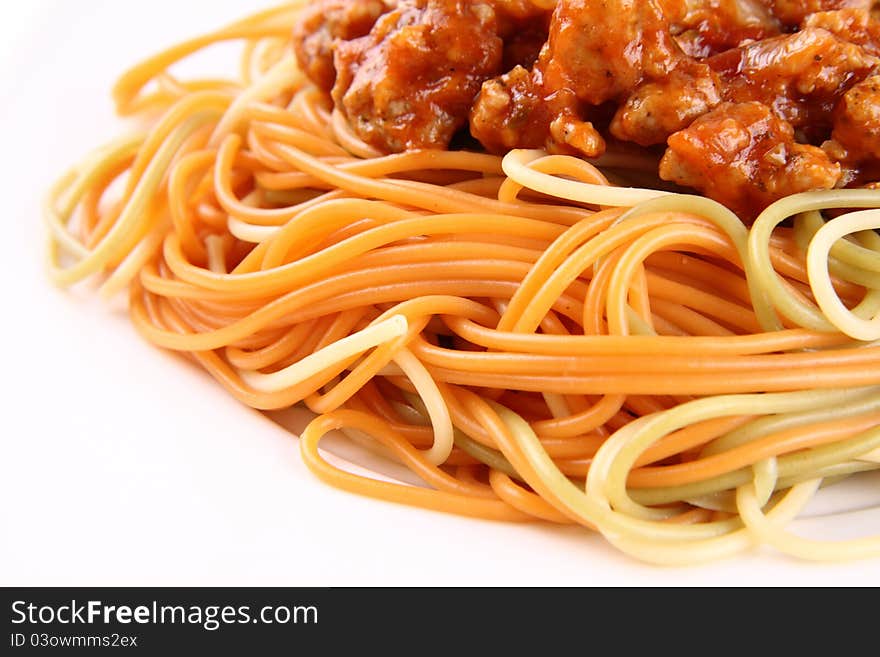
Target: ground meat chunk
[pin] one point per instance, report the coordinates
(411, 81)
(792, 12)
(510, 113)
(568, 130)
(801, 76)
(514, 111)
(856, 136)
(321, 24)
(598, 51)
(744, 156)
(854, 25)
(521, 9)
(707, 27)
(659, 108)
(602, 49)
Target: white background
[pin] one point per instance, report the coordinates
(123, 465)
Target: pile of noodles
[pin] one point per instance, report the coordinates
(534, 342)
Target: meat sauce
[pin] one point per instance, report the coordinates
(752, 100)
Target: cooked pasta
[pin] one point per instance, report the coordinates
(538, 337)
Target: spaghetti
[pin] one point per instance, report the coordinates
(532, 341)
